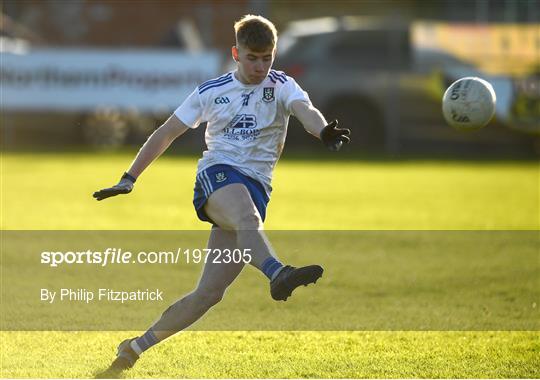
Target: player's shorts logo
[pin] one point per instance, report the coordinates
(220, 177)
(268, 94)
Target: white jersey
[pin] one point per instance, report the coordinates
(247, 124)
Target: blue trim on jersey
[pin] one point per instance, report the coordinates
(211, 81)
(272, 78)
(217, 176)
(276, 77)
(215, 85)
(275, 80)
(215, 82)
(279, 74)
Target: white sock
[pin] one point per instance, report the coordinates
(136, 347)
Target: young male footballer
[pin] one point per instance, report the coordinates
(247, 112)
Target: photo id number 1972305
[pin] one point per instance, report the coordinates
(218, 256)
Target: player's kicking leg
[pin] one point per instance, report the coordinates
(212, 286)
(231, 207)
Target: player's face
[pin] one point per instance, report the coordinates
(253, 66)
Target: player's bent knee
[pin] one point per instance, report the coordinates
(248, 221)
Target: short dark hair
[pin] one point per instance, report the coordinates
(255, 32)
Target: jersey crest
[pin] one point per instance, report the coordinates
(268, 94)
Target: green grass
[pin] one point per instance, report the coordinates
(408, 280)
(283, 355)
(390, 284)
(49, 191)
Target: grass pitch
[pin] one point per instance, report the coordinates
(53, 191)
(282, 355)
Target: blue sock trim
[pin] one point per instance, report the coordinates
(147, 340)
(270, 266)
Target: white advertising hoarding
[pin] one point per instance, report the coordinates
(78, 80)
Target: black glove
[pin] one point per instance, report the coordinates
(333, 137)
(123, 187)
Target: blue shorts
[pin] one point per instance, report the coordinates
(217, 176)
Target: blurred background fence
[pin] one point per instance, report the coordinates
(106, 73)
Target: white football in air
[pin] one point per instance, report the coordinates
(469, 103)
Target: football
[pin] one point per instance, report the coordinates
(469, 103)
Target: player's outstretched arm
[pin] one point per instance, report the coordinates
(156, 144)
(315, 123)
